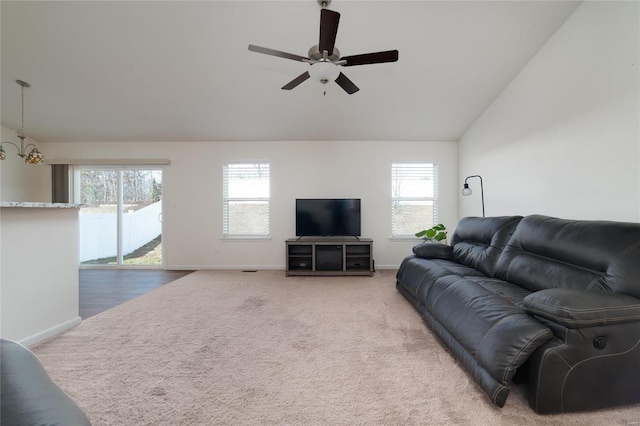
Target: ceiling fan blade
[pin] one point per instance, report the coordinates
(296, 81)
(277, 53)
(370, 58)
(328, 30)
(346, 84)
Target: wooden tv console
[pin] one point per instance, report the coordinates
(329, 256)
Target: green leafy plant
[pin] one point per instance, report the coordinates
(435, 233)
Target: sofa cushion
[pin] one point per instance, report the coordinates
(478, 241)
(496, 332)
(417, 274)
(546, 252)
(509, 292)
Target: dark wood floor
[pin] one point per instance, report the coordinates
(102, 289)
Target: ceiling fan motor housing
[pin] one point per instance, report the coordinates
(316, 54)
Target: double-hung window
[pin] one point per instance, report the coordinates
(245, 200)
(414, 198)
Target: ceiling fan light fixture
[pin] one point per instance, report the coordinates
(324, 71)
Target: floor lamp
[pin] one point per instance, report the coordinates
(466, 191)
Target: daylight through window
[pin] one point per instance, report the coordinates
(246, 200)
(121, 216)
(414, 198)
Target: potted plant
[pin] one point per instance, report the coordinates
(437, 233)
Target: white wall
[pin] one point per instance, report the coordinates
(192, 192)
(39, 275)
(20, 181)
(563, 139)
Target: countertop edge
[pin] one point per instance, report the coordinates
(39, 205)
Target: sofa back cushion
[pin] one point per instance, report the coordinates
(478, 241)
(546, 252)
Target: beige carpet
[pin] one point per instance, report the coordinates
(236, 348)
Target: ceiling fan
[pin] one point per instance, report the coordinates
(324, 58)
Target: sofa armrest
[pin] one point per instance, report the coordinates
(432, 251)
(29, 396)
(582, 308)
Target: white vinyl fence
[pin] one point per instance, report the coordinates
(139, 227)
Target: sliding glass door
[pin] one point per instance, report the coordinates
(121, 217)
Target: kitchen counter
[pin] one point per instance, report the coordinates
(39, 205)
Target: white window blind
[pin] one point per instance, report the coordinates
(414, 198)
(245, 200)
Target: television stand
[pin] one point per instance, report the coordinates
(329, 256)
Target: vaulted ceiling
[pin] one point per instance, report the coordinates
(181, 70)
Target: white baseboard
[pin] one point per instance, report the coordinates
(50, 332)
(246, 267)
(224, 267)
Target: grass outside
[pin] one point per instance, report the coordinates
(148, 254)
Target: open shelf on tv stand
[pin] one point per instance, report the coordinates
(329, 256)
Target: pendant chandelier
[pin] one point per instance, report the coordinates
(32, 157)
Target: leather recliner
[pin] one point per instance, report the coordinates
(555, 300)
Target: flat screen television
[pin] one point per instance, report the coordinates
(323, 217)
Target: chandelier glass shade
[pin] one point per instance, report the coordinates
(34, 157)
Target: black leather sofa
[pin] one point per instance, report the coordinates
(555, 302)
(28, 396)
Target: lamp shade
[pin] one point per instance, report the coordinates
(34, 157)
(324, 71)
